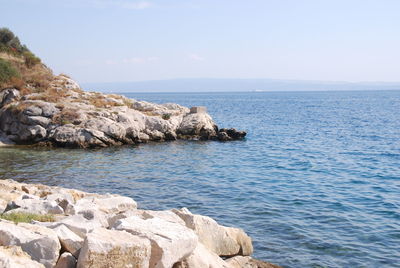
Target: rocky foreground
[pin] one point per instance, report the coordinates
(65, 116)
(92, 230)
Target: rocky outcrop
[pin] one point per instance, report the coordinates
(93, 230)
(65, 116)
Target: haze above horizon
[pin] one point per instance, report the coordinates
(128, 40)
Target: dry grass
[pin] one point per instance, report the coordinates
(65, 75)
(150, 113)
(10, 57)
(38, 75)
(100, 101)
(18, 107)
(127, 102)
(51, 95)
(66, 116)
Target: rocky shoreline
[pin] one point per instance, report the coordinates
(82, 229)
(66, 116)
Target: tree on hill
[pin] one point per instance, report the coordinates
(10, 43)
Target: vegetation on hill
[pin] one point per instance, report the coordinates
(7, 71)
(19, 67)
(9, 43)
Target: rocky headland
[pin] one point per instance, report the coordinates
(37, 107)
(69, 228)
(66, 116)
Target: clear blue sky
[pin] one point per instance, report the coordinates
(129, 40)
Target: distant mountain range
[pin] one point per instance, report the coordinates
(218, 85)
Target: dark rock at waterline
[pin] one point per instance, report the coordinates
(230, 134)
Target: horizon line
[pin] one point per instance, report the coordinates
(270, 79)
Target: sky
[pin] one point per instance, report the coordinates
(133, 40)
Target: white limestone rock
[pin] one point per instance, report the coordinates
(81, 226)
(39, 242)
(107, 203)
(224, 241)
(110, 248)
(36, 206)
(167, 215)
(70, 241)
(202, 257)
(200, 124)
(15, 257)
(171, 242)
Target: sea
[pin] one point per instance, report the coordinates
(316, 182)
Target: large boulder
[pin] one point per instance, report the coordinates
(70, 241)
(66, 260)
(171, 242)
(36, 206)
(108, 127)
(15, 257)
(81, 225)
(106, 203)
(167, 215)
(224, 241)
(39, 242)
(202, 257)
(110, 248)
(198, 124)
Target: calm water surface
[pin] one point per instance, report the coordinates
(316, 183)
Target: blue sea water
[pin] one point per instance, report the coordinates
(316, 183)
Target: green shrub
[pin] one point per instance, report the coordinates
(6, 35)
(7, 72)
(166, 116)
(26, 217)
